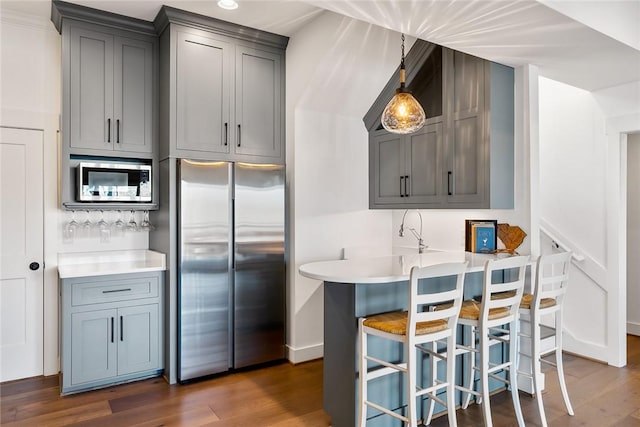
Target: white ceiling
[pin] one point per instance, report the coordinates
(592, 56)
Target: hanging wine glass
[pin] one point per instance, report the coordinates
(119, 225)
(146, 224)
(86, 225)
(132, 225)
(104, 229)
(70, 229)
(102, 224)
(73, 224)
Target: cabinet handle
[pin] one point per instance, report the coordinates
(226, 133)
(108, 130)
(449, 176)
(116, 290)
(401, 194)
(406, 179)
(112, 329)
(118, 131)
(121, 329)
(239, 135)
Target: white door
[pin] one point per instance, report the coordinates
(21, 253)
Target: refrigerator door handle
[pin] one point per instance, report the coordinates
(233, 238)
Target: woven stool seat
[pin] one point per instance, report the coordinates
(471, 310)
(544, 302)
(396, 323)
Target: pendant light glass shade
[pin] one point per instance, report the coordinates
(403, 114)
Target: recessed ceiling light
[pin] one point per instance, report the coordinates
(228, 4)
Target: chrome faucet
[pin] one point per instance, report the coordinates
(421, 245)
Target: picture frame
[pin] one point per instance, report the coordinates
(481, 235)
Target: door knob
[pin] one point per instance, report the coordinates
(34, 266)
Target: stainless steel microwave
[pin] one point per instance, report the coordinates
(114, 182)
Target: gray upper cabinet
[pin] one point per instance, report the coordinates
(203, 81)
(258, 100)
(133, 94)
(110, 91)
(91, 89)
(404, 168)
(109, 94)
(466, 156)
(463, 157)
(221, 90)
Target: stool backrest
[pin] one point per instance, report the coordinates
(418, 301)
(507, 294)
(552, 278)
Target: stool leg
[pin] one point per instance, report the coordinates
(451, 380)
(563, 385)
(536, 368)
(472, 364)
(513, 370)
(411, 383)
(484, 376)
(362, 417)
(433, 363)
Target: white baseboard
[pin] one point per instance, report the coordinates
(633, 328)
(584, 348)
(304, 354)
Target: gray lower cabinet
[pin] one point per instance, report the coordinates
(110, 90)
(111, 330)
(222, 90)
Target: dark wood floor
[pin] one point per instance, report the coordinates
(286, 395)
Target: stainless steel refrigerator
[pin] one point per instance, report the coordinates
(231, 282)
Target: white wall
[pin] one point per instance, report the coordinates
(583, 182)
(633, 233)
(30, 96)
(333, 77)
(572, 204)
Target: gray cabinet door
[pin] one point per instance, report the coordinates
(138, 338)
(424, 165)
(467, 149)
(387, 169)
(93, 346)
(91, 90)
(258, 98)
(133, 98)
(203, 80)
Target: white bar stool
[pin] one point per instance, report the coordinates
(414, 329)
(487, 320)
(552, 278)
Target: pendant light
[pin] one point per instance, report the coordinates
(403, 114)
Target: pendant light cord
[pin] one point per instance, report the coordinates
(402, 50)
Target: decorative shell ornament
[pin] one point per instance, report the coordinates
(512, 236)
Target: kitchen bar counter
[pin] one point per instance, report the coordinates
(360, 287)
(392, 268)
(88, 264)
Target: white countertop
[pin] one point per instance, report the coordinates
(390, 268)
(87, 264)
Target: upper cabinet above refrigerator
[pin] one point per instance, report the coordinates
(223, 90)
